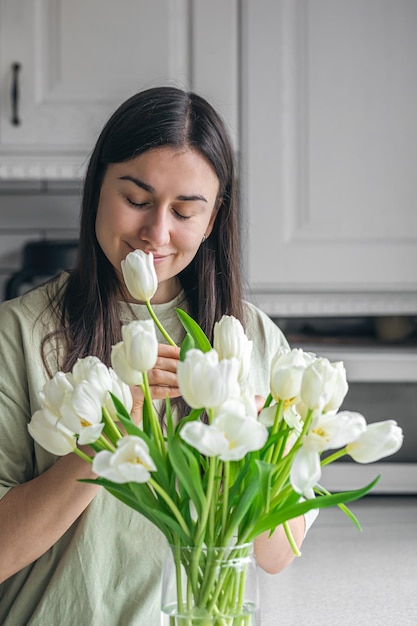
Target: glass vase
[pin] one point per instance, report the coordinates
(215, 586)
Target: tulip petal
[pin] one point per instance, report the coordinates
(305, 471)
(204, 438)
(379, 440)
(49, 433)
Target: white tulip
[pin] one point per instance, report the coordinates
(349, 426)
(81, 412)
(141, 344)
(289, 415)
(122, 368)
(340, 388)
(131, 462)
(327, 431)
(206, 382)
(287, 369)
(122, 391)
(50, 433)
(139, 275)
(379, 440)
(230, 340)
(92, 369)
(305, 471)
(230, 437)
(334, 430)
(53, 392)
(318, 384)
(267, 415)
(204, 438)
(242, 433)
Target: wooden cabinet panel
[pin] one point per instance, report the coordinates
(80, 59)
(330, 127)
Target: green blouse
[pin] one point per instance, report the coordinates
(106, 569)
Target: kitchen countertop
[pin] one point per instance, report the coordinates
(349, 578)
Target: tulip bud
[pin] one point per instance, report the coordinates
(204, 381)
(141, 344)
(318, 384)
(287, 369)
(51, 434)
(340, 388)
(229, 340)
(121, 390)
(121, 366)
(81, 410)
(139, 275)
(53, 393)
(379, 440)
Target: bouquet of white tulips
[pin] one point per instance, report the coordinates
(223, 474)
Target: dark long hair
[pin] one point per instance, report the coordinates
(161, 116)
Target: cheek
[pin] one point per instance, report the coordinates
(188, 242)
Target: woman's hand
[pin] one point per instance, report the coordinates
(162, 380)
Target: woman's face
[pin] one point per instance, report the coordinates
(162, 201)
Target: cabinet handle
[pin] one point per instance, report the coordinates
(16, 67)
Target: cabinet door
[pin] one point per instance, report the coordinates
(330, 152)
(79, 59)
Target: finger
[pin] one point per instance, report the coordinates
(168, 357)
(172, 352)
(160, 392)
(164, 364)
(162, 377)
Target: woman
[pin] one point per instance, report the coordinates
(160, 179)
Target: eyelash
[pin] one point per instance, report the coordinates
(142, 204)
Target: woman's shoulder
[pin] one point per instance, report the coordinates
(30, 306)
(260, 328)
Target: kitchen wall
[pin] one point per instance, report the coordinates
(34, 210)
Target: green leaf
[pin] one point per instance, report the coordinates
(187, 469)
(168, 412)
(265, 472)
(245, 501)
(197, 334)
(193, 415)
(187, 344)
(138, 497)
(120, 407)
(277, 517)
(321, 490)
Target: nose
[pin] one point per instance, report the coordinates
(155, 227)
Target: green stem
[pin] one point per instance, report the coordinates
(178, 578)
(208, 503)
(275, 428)
(155, 425)
(291, 539)
(113, 430)
(333, 457)
(159, 325)
(204, 517)
(104, 444)
(225, 507)
(171, 505)
(82, 455)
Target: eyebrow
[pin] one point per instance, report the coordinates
(150, 189)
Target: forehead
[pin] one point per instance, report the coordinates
(167, 167)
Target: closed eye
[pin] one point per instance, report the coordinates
(180, 216)
(137, 204)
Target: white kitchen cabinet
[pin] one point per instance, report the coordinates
(79, 59)
(329, 152)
